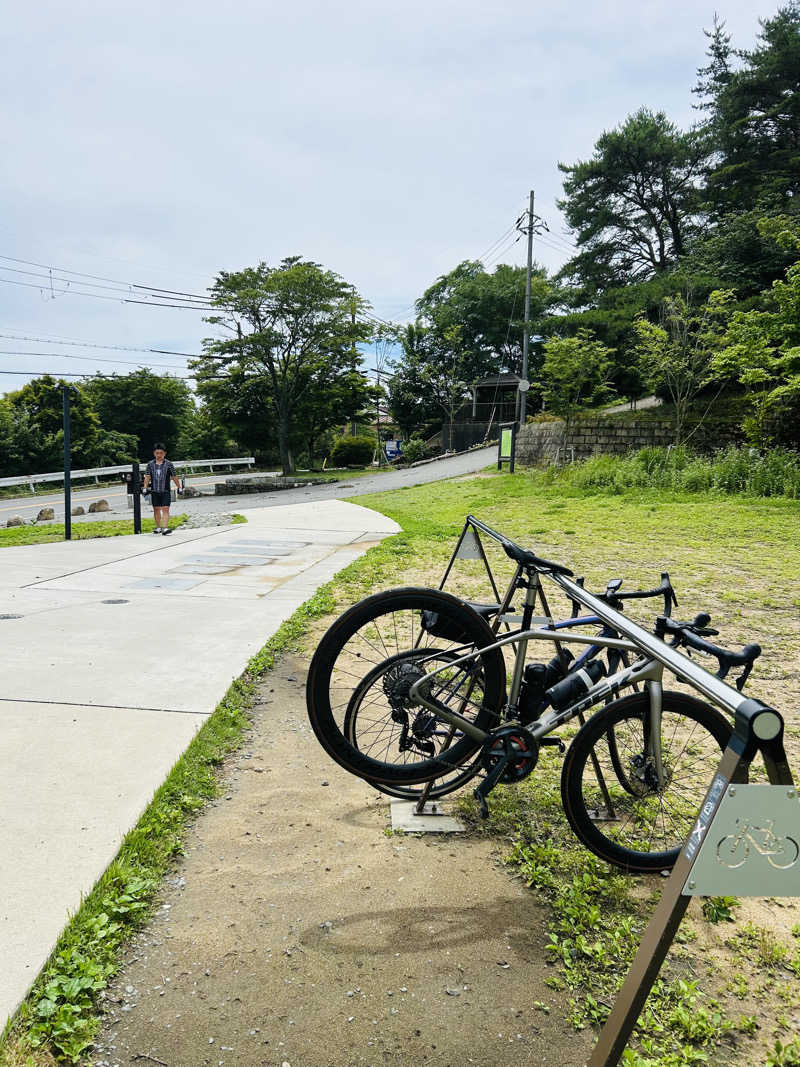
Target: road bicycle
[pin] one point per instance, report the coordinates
(425, 673)
(370, 727)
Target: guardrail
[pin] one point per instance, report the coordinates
(95, 472)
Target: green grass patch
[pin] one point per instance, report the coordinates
(236, 519)
(81, 531)
(775, 472)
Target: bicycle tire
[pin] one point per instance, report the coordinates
(387, 627)
(693, 737)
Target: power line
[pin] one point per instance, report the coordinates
(100, 278)
(92, 359)
(72, 374)
(91, 344)
(100, 296)
(122, 287)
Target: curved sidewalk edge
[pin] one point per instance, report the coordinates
(117, 652)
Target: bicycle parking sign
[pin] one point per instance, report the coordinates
(754, 850)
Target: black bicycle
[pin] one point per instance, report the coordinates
(409, 686)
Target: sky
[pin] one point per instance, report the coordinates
(155, 145)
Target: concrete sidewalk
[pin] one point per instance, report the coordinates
(113, 652)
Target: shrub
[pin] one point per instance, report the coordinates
(414, 450)
(353, 451)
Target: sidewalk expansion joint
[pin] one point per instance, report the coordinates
(112, 707)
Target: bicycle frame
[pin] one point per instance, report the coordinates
(654, 654)
(687, 670)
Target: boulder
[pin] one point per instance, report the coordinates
(45, 514)
(77, 511)
(190, 491)
(16, 520)
(99, 505)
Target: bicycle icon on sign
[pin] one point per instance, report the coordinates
(781, 852)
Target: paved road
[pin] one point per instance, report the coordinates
(449, 467)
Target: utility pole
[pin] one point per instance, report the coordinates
(65, 395)
(523, 394)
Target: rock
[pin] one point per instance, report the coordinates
(45, 514)
(78, 511)
(99, 505)
(16, 520)
(190, 492)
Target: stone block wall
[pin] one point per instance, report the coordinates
(548, 442)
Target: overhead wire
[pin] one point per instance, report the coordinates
(93, 359)
(101, 278)
(44, 289)
(92, 344)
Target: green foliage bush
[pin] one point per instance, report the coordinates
(775, 472)
(353, 451)
(414, 450)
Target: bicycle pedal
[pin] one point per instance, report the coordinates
(482, 805)
(556, 742)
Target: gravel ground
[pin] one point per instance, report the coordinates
(297, 929)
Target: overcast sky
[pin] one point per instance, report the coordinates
(158, 144)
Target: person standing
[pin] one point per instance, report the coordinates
(156, 480)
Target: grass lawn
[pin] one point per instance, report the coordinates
(36, 535)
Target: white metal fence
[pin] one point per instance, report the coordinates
(31, 480)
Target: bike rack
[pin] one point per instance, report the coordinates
(764, 816)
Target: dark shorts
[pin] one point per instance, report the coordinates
(161, 500)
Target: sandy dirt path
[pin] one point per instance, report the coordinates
(296, 931)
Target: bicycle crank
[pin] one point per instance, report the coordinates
(509, 755)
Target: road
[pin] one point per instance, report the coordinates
(448, 467)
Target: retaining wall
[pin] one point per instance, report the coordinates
(548, 442)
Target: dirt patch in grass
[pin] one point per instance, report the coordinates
(298, 930)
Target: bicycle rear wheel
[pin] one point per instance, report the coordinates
(609, 785)
(366, 664)
(369, 728)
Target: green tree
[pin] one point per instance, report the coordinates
(152, 407)
(677, 353)
(575, 374)
(488, 310)
(754, 116)
(751, 109)
(762, 348)
(202, 436)
(292, 328)
(635, 205)
(38, 411)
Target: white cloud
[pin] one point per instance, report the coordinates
(387, 141)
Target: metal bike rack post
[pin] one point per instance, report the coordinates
(733, 808)
(708, 865)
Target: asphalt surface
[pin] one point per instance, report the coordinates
(384, 481)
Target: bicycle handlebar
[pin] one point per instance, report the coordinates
(614, 598)
(686, 633)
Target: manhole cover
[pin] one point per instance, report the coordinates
(10, 616)
(115, 601)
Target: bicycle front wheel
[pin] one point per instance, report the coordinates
(359, 683)
(610, 788)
